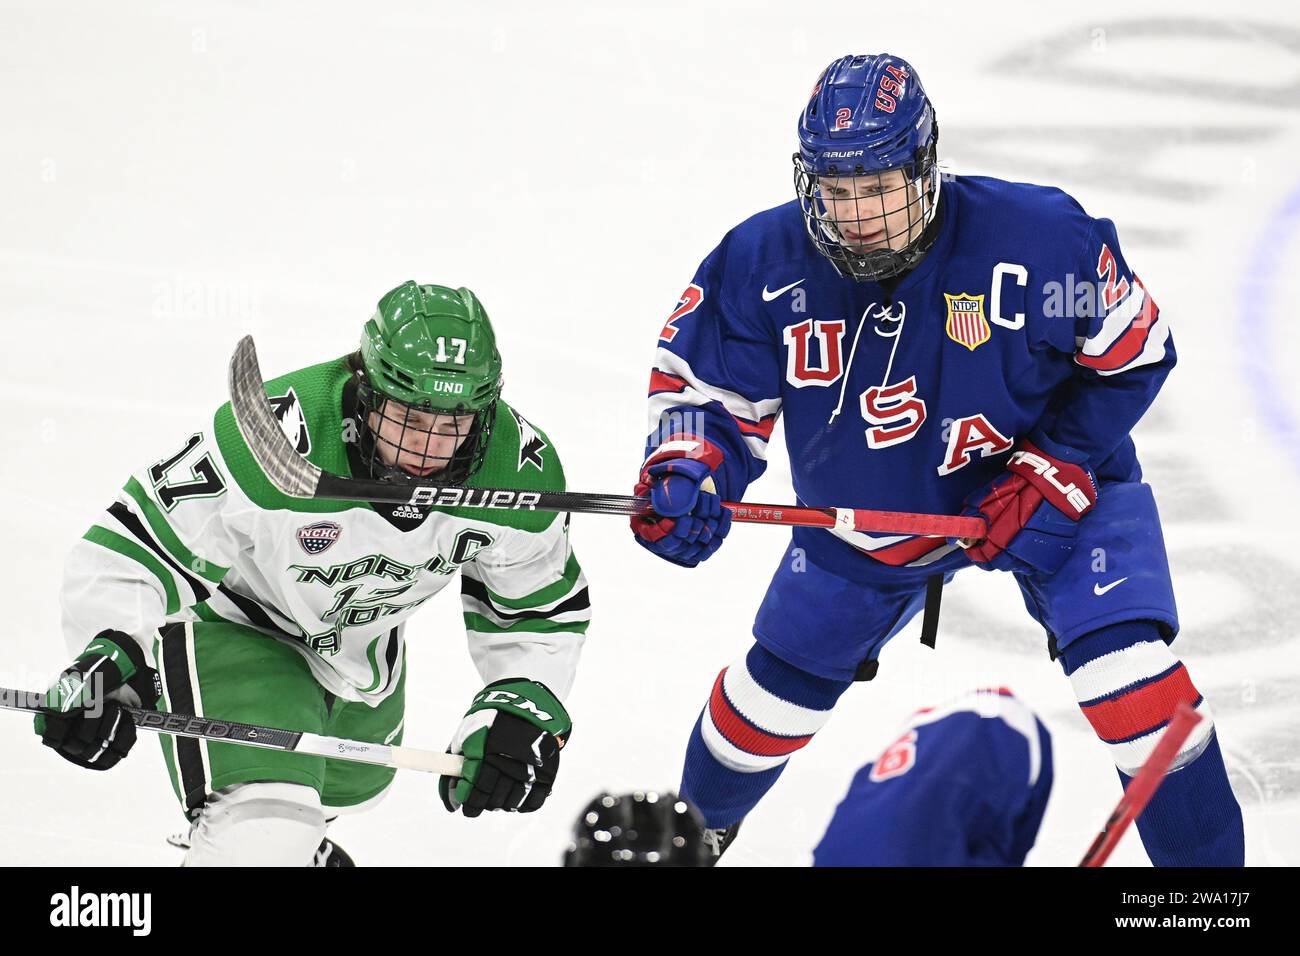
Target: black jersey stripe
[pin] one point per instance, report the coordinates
(478, 590)
(180, 698)
(255, 613)
(390, 656)
(133, 524)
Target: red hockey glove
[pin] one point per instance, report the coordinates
(1033, 508)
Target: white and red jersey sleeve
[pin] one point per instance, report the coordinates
(1122, 349)
(1125, 329)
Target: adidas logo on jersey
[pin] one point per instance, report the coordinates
(409, 512)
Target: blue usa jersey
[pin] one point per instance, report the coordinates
(964, 785)
(1024, 315)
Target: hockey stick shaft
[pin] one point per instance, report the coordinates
(850, 519)
(273, 738)
(1143, 785)
(298, 478)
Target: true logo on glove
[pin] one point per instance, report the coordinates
(1076, 496)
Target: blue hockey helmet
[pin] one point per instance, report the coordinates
(866, 172)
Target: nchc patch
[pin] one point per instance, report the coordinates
(966, 323)
(315, 538)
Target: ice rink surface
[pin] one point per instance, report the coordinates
(177, 174)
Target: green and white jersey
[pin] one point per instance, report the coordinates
(202, 535)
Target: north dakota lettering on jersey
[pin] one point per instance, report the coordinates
(201, 534)
(468, 544)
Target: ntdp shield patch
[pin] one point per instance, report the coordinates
(966, 323)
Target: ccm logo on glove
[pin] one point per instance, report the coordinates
(521, 703)
(511, 739)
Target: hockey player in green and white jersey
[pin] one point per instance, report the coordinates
(202, 589)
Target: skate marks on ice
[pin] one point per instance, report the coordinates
(1158, 56)
(1169, 167)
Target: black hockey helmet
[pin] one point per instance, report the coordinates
(643, 828)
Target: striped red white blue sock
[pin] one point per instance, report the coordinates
(761, 711)
(1128, 683)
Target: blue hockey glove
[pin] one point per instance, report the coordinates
(689, 522)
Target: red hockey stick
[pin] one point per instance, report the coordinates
(1143, 785)
(860, 519)
(296, 477)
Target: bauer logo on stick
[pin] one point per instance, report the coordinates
(315, 538)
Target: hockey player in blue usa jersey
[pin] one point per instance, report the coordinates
(965, 784)
(939, 344)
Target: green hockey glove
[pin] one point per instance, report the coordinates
(83, 721)
(511, 739)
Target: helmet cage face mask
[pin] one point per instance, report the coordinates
(414, 443)
(842, 207)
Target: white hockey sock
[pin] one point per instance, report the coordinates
(258, 824)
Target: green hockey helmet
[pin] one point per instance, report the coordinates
(430, 377)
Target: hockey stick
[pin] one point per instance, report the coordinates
(253, 735)
(1143, 785)
(296, 477)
